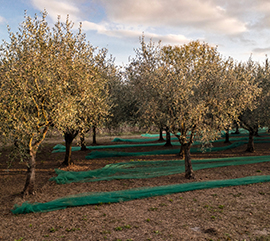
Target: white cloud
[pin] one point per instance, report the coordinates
(120, 31)
(196, 14)
(87, 25)
(58, 7)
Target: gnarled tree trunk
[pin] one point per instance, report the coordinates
(69, 137)
(181, 152)
(189, 173)
(82, 141)
(29, 187)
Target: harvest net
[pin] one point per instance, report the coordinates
(131, 194)
(149, 169)
(105, 154)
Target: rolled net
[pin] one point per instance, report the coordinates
(131, 194)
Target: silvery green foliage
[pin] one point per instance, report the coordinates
(252, 119)
(49, 76)
(191, 89)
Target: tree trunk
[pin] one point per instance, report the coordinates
(250, 145)
(94, 136)
(69, 137)
(256, 132)
(168, 138)
(82, 142)
(29, 187)
(189, 173)
(236, 129)
(181, 152)
(227, 136)
(161, 139)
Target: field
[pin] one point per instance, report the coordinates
(229, 213)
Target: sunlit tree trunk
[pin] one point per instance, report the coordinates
(82, 141)
(29, 187)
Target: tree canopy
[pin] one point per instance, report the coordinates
(193, 90)
(49, 76)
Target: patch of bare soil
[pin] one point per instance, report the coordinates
(230, 213)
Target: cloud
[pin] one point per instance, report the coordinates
(120, 31)
(196, 14)
(56, 8)
(261, 50)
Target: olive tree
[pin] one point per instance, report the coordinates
(28, 91)
(143, 70)
(201, 92)
(253, 119)
(207, 94)
(47, 79)
(80, 73)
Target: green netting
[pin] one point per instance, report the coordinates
(241, 132)
(131, 194)
(62, 148)
(105, 154)
(244, 132)
(149, 169)
(154, 135)
(134, 140)
(243, 137)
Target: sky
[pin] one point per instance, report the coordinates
(240, 28)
